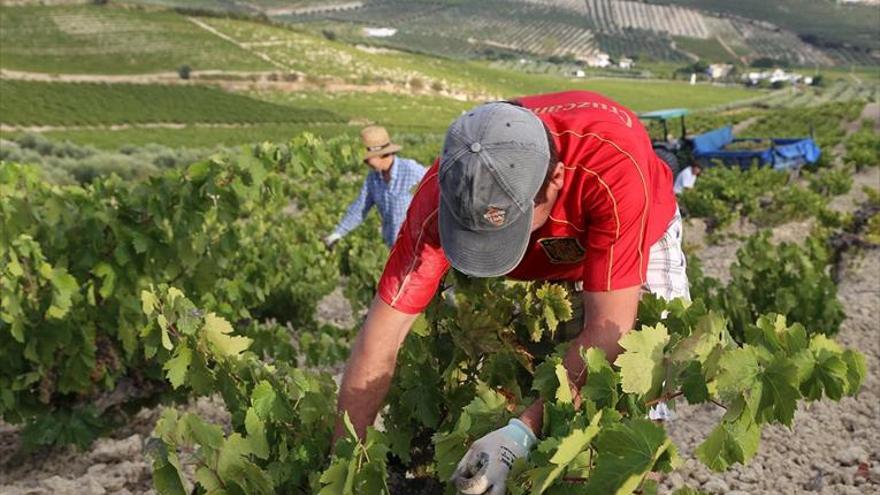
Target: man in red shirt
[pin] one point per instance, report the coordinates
(562, 187)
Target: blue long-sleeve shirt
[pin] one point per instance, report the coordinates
(390, 198)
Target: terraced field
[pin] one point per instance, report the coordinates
(89, 39)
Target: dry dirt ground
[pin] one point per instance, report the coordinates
(832, 448)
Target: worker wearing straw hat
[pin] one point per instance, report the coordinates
(388, 187)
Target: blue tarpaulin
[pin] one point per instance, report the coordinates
(782, 153)
(713, 140)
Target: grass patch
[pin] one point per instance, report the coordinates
(89, 39)
(405, 113)
(45, 103)
(197, 137)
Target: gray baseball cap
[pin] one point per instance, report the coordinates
(494, 161)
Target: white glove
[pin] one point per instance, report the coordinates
(331, 239)
(660, 412)
(484, 468)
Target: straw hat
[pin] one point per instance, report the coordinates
(377, 142)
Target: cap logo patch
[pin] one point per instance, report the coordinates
(495, 216)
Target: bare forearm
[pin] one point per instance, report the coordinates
(371, 366)
(363, 388)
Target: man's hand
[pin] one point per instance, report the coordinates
(331, 239)
(484, 468)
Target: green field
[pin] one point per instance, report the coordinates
(198, 137)
(71, 104)
(403, 112)
(112, 40)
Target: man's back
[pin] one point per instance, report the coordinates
(617, 200)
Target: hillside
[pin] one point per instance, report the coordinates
(822, 22)
(101, 40)
(582, 29)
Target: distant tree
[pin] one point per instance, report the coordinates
(184, 71)
(768, 63)
(818, 80)
(778, 84)
(416, 84)
(100, 2)
(698, 67)
(330, 35)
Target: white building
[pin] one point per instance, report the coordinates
(380, 32)
(599, 60)
(774, 76)
(626, 63)
(719, 71)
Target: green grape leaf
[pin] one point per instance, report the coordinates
(545, 380)
(626, 452)
(829, 372)
(208, 479)
(693, 383)
(176, 367)
(856, 369)
(563, 393)
(641, 365)
(568, 449)
(163, 328)
(602, 381)
(256, 431)
(108, 276)
(166, 480)
(779, 393)
(217, 332)
(338, 478)
(705, 337)
(738, 371)
(729, 443)
(263, 399)
(203, 433)
(232, 456)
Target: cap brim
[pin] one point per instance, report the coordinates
(489, 253)
(391, 148)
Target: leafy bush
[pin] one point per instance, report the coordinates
(68, 163)
(787, 279)
(863, 147)
(762, 195)
(460, 377)
(831, 181)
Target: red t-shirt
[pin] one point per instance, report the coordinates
(616, 201)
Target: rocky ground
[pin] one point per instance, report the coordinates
(832, 448)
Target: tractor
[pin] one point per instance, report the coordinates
(675, 152)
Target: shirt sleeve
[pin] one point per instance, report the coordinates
(618, 215)
(356, 212)
(416, 264)
(684, 180)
